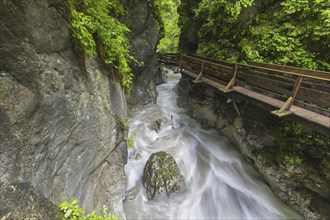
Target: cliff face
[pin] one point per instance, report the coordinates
(144, 40)
(188, 41)
(60, 133)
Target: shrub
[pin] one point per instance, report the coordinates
(93, 25)
(72, 211)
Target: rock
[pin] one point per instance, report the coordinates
(19, 201)
(131, 194)
(58, 119)
(134, 154)
(159, 124)
(144, 39)
(188, 42)
(161, 174)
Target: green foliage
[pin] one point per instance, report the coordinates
(295, 35)
(300, 137)
(130, 141)
(155, 9)
(301, 146)
(92, 24)
(74, 212)
(293, 32)
(209, 11)
(217, 34)
(292, 160)
(123, 124)
(169, 15)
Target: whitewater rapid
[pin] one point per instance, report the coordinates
(219, 183)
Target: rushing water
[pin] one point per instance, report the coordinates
(219, 184)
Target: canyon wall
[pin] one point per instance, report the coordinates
(61, 133)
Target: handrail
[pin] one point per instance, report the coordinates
(211, 59)
(313, 74)
(294, 70)
(205, 61)
(269, 69)
(320, 77)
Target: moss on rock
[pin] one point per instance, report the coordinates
(161, 174)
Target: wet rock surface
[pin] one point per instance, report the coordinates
(19, 201)
(58, 119)
(144, 39)
(161, 174)
(159, 124)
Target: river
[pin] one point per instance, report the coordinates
(219, 183)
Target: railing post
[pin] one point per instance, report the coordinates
(180, 62)
(295, 91)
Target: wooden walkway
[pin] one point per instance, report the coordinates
(298, 94)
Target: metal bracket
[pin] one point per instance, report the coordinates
(229, 100)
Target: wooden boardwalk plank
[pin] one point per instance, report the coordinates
(300, 112)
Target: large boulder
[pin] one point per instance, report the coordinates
(161, 174)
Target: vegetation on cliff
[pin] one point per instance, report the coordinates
(301, 146)
(288, 32)
(97, 30)
(294, 145)
(72, 211)
(169, 15)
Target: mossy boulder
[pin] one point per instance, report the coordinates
(159, 124)
(161, 174)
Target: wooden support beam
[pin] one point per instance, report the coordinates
(229, 87)
(286, 108)
(282, 111)
(200, 75)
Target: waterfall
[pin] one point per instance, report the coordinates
(219, 183)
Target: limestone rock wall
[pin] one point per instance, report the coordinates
(144, 40)
(60, 137)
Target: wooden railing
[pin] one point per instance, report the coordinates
(305, 88)
(285, 90)
(168, 58)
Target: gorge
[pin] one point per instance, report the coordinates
(62, 115)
